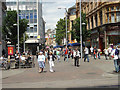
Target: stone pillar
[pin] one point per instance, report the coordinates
(94, 24)
(98, 17)
(115, 14)
(105, 39)
(103, 15)
(90, 22)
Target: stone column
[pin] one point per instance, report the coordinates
(105, 39)
(103, 15)
(98, 17)
(94, 24)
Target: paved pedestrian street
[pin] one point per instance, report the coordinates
(96, 73)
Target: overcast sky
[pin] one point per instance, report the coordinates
(52, 14)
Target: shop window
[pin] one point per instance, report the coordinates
(100, 14)
(88, 24)
(118, 16)
(108, 18)
(92, 21)
(112, 18)
(96, 20)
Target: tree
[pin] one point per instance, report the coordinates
(60, 30)
(76, 29)
(10, 30)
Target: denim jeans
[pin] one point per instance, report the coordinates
(116, 65)
(98, 55)
(86, 56)
(94, 56)
(66, 55)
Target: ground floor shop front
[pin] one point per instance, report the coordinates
(103, 36)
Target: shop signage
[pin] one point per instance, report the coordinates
(10, 50)
(113, 33)
(94, 31)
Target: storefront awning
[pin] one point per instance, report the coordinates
(31, 41)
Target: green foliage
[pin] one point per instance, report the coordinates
(60, 31)
(76, 29)
(10, 29)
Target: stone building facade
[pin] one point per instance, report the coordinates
(103, 20)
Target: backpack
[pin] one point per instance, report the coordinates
(116, 52)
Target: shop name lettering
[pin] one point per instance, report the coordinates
(115, 27)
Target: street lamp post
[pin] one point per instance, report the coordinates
(18, 23)
(66, 22)
(80, 31)
(24, 42)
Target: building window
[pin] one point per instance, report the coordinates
(101, 21)
(88, 24)
(112, 18)
(31, 29)
(31, 36)
(31, 15)
(117, 8)
(107, 9)
(96, 21)
(118, 16)
(92, 21)
(91, 5)
(108, 18)
(112, 8)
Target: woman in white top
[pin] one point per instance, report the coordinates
(41, 62)
(51, 58)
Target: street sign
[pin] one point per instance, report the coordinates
(38, 37)
(10, 50)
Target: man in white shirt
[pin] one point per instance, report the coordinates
(86, 54)
(109, 52)
(76, 55)
(91, 49)
(115, 55)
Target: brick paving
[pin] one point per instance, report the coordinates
(66, 75)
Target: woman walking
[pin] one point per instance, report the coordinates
(41, 62)
(51, 58)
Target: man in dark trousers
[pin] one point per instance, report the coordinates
(76, 55)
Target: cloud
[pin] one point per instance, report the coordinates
(52, 14)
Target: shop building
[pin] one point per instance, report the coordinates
(103, 20)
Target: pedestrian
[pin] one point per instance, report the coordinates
(46, 56)
(51, 58)
(95, 52)
(106, 53)
(115, 54)
(66, 53)
(23, 59)
(58, 55)
(91, 49)
(99, 52)
(76, 55)
(109, 52)
(41, 62)
(86, 54)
